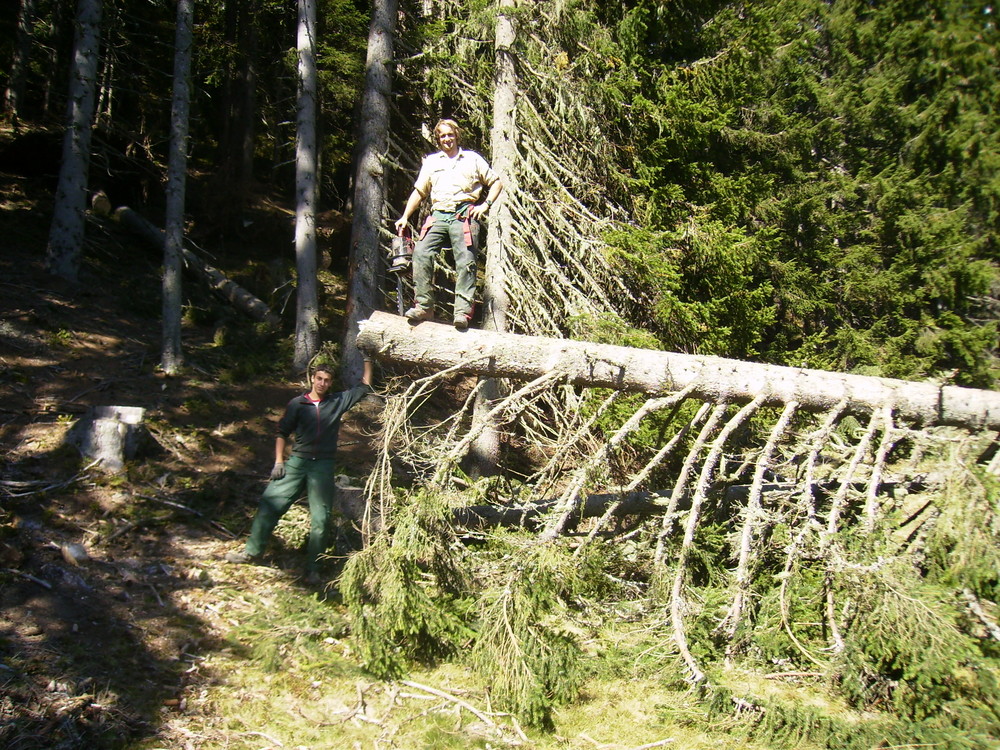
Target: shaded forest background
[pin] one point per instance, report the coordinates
(794, 182)
(804, 183)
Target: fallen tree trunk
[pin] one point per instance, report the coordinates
(505, 355)
(530, 516)
(217, 281)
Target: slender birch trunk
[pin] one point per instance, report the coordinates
(369, 183)
(65, 246)
(172, 356)
(306, 166)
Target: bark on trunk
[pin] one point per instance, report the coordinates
(306, 181)
(369, 191)
(238, 112)
(643, 504)
(435, 346)
(172, 355)
(484, 454)
(19, 62)
(65, 245)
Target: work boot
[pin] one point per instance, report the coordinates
(461, 321)
(241, 557)
(416, 314)
(313, 578)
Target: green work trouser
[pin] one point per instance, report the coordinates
(447, 230)
(316, 476)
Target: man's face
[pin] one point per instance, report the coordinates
(447, 139)
(322, 380)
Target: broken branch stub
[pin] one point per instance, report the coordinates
(717, 379)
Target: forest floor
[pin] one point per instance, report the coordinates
(153, 641)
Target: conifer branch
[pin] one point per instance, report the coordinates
(751, 521)
(697, 676)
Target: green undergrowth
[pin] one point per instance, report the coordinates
(406, 592)
(549, 627)
(432, 640)
(290, 676)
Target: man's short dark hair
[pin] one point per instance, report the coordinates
(328, 369)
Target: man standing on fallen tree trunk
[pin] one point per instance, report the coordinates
(454, 178)
(314, 419)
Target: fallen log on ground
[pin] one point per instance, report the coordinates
(644, 504)
(217, 281)
(519, 357)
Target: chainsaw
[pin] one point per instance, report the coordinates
(400, 258)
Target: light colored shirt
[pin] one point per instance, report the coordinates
(455, 180)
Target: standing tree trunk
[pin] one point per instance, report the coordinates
(173, 265)
(306, 165)
(66, 233)
(369, 183)
(484, 454)
(238, 114)
(19, 62)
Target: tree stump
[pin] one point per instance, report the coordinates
(111, 435)
(349, 499)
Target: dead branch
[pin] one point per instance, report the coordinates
(132, 526)
(976, 608)
(833, 522)
(676, 594)
(457, 701)
(643, 474)
(44, 485)
(625, 503)
(810, 523)
(751, 522)
(445, 467)
(889, 437)
(29, 577)
(573, 438)
(217, 281)
(567, 503)
(670, 515)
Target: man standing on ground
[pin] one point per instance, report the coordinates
(454, 179)
(314, 419)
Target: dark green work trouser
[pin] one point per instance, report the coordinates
(316, 476)
(447, 230)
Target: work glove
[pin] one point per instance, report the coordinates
(278, 471)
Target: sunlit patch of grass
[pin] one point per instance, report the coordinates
(639, 713)
(289, 675)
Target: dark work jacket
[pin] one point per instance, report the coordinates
(317, 425)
